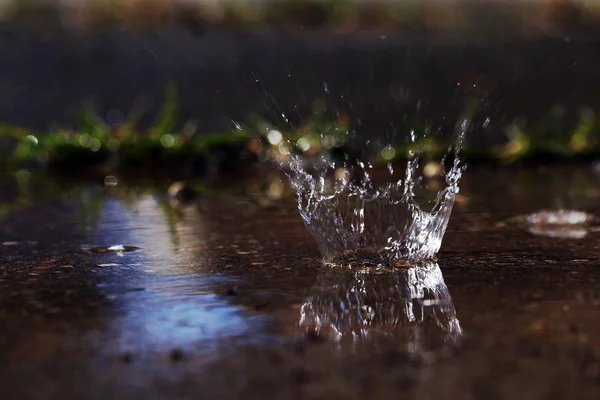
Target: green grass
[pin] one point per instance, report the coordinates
(553, 140)
(93, 144)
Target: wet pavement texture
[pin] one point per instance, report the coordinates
(218, 297)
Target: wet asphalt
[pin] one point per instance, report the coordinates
(219, 296)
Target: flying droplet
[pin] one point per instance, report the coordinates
(32, 139)
(274, 137)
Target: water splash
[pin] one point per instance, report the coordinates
(411, 306)
(356, 220)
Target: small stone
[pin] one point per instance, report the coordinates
(177, 355)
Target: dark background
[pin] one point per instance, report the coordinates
(388, 68)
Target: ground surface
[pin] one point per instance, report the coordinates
(210, 304)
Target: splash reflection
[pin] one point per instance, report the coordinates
(410, 306)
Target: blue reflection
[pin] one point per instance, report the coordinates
(163, 294)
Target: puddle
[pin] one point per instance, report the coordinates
(177, 312)
(229, 289)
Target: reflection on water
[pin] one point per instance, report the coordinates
(163, 295)
(411, 306)
(177, 312)
(163, 273)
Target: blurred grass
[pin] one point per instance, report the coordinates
(554, 140)
(93, 142)
(508, 17)
(94, 145)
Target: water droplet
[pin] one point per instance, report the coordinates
(303, 144)
(388, 153)
(95, 144)
(274, 137)
(110, 181)
(413, 137)
(283, 148)
(85, 140)
(32, 139)
(167, 140)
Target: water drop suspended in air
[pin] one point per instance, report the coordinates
(274, 137)
(237, 125)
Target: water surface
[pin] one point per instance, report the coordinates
(212, 302)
